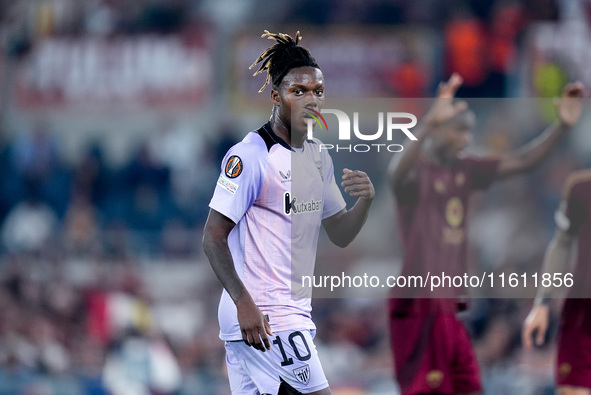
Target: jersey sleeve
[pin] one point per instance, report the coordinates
(481, 171)
(333, 199)
(571, 212)
(240, 181)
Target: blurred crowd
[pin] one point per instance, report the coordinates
(84, 308)
(145, 205)
(103, 285)
(480, 38)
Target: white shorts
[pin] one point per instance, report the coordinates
(293, 358)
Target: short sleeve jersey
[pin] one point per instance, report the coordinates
(432, 211)
(277, 197)
(574, 217)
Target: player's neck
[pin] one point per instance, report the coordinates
(284, 132)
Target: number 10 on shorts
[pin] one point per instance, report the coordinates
(292, 337)
(295, 355)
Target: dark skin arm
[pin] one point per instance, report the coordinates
(255, 329)
(343, 227)
(400, 170)
(524, 159)
(530, 155)
(556, 260)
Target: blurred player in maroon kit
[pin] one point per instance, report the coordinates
(573, 221)
(432, 181)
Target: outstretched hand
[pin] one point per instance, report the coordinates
(571, 104)
(444, 107)
(358, 184)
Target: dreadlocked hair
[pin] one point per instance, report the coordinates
(281, 57)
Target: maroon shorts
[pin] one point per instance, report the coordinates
(433, 354)
(573, 362)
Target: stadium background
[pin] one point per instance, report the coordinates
(114, 116)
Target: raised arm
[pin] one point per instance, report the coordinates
(253, 325)
(556, 260)
(401, 166)
(530, 155)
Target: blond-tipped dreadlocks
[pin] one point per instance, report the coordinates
(281, 57)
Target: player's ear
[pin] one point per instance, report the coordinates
(275, 96)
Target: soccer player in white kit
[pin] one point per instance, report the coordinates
(262, 231)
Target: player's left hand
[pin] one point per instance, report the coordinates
(570, 105)
(358, 184)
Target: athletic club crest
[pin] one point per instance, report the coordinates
(303, 374)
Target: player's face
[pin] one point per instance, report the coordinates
(455, 136)
(302, 88)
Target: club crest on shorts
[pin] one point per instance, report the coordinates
(233, 167)
(564, 370)
(303, 374)
(434, 378)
